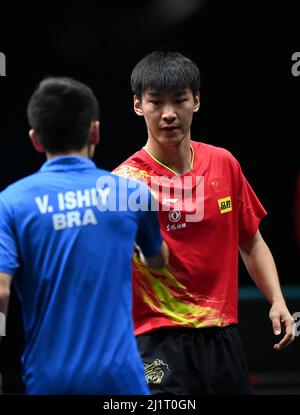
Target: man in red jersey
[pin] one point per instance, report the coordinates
(186, 314)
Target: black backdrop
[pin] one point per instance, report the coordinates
(249, 97)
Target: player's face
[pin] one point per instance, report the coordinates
(169, 115)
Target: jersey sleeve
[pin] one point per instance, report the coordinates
(9, 258)
(149, 237)
(250, 211)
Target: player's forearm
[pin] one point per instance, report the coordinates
(4, 304)
(5, 281)
(4, 299)
(262, 269)
(3, 314)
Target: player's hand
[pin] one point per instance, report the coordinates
(283, 323)
(138, 252)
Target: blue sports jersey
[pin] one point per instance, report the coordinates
(67, 235)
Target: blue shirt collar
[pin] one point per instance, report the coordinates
(63, 163)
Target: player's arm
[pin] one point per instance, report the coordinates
(9, 259)
(260, 264)
(5, 281)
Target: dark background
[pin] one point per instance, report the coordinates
(250, 100)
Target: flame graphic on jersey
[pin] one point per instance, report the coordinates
(164, 294)
(131, 173)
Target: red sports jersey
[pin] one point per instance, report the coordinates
(207, 213)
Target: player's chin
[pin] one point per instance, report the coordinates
(171, 139)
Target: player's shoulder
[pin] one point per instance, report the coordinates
(213, 151)
(18, 187)
(134, 167)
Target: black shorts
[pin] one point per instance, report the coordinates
(184, 361)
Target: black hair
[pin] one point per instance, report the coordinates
(165, 72)
(61, 111)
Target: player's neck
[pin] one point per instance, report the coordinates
(80, 153)
(177, 158)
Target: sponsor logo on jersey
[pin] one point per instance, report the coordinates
(225, 204)
(166, 200)
(175, 215)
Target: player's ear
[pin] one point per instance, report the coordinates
(94, 137)
(196, 101)
(38, 146)
(137, 105)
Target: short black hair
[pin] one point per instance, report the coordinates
(61, 111)
(165, 72)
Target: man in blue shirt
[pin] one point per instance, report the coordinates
(67, 235)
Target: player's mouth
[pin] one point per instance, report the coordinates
(170, 128)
